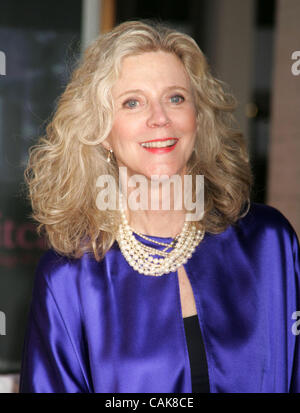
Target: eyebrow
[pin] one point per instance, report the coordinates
(141, 91)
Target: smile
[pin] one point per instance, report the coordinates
(160, 143)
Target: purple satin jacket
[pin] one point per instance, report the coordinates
(104, 327)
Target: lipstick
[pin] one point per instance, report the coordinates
(153, 145)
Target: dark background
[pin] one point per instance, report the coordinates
(41, 41)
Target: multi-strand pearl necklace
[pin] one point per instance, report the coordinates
(142, 257)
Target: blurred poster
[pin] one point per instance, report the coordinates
(35, 66)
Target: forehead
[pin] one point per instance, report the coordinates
(152, 67)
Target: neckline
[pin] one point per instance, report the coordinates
(166, 240)
(158, 238)
(191, 317)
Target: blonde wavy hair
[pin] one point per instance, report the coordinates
(65, 164)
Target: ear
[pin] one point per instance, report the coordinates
(106, 144)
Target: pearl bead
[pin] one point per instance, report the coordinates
(141, 257)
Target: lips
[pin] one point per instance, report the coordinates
(160, 143)
(160, 146)
(160, 139)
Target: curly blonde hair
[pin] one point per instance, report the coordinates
(65, 164)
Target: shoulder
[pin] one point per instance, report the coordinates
(59, 273)
(52, 264)
(266, 217)
(267, 214)
(266, 225)
(58, 286)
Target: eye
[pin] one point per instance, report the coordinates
(131, 103)
(177, 99)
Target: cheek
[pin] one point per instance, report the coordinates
(188, 122)
(193, 118)
(117, 130)
(124, 130)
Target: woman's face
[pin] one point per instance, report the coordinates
(153, 102)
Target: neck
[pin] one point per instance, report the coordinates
(160, 210)
(155, 218)
(165, 224)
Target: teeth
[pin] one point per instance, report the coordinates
(159, 144)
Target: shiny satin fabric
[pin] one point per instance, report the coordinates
(103, 327)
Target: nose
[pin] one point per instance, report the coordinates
(158, 116)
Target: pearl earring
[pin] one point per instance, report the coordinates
(109, 156)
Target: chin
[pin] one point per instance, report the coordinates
(168, 170)
(162, 172)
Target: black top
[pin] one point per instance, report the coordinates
(199, 370)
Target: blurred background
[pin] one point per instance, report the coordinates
(251, 44)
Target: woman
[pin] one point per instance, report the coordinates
(142, 299)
